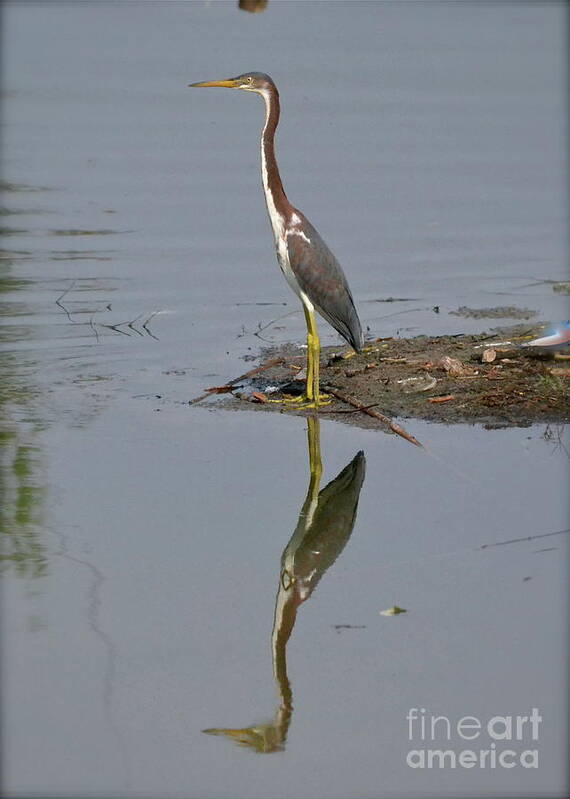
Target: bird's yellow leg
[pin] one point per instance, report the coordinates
(315, 464)
(312, 398)
(312, 362)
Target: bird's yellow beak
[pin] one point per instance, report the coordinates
(227, 84)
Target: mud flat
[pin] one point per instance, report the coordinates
(488, 378)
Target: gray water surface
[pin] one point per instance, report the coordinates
(147, 543)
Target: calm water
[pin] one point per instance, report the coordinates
(171, 569)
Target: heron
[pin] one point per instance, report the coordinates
(307, 263)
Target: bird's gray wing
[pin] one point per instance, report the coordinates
(321, 278)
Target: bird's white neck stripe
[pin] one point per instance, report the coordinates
(277, 220)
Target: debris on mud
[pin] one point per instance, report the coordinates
(488, 378)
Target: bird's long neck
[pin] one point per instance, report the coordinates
(278, 205)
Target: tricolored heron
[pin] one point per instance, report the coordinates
(309, 266)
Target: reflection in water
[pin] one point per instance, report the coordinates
(22, 494)
(28, 321)
(16, 231)
(325, 524)
(109, 648)
(21, 506)
(22, 403)
(31, 337)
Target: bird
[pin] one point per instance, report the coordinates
(307, 263)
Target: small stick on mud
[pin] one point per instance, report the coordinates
(395, 428)
(231, 384)
(352, 410)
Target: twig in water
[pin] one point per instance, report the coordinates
(261, 328)
(60, 298)
(520, 540)
(261, 303)
(116, 328)
(145, 325)
(132, 322)
(93, 327)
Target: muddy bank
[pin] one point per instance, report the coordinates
(486, 378)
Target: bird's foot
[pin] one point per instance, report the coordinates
(306, 404)
(303, 402)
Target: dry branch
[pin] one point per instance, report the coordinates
(395, 428)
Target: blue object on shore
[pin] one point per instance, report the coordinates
(557, 338)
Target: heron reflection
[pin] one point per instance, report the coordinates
(325, 524)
